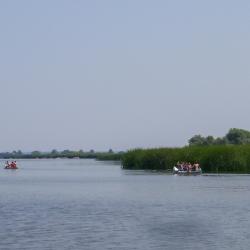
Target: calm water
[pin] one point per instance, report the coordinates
(84, 204)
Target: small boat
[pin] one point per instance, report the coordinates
(10, 165)
(186, 172)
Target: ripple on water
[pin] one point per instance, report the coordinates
(88, 205)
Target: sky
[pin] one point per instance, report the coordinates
(115, 74)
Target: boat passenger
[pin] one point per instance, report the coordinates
(197, 166)
(185, 167)
(182, 166)
(7, 165)
(178, 165)
(13, 164)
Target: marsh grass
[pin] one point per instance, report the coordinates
(213, 159)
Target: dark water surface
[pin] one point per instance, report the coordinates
(84, 204)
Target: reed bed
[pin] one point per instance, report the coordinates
(213, 159)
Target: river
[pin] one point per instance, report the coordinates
(84, 204)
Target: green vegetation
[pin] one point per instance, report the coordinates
(234, 136)
(228, 154)
(213, 159)
(110, 155)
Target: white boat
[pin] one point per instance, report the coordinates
(186, 172)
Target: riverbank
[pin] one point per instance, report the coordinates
(213, 159)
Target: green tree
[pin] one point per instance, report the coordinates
(36, 154)
(220, 141)
(209, 140)
(196, 140)
(238, 136)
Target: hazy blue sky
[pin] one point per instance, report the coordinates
(122, 74)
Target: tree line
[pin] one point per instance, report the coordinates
(234, 136)
(70, 154)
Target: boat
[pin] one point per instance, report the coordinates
(11, 165)
(186, 172)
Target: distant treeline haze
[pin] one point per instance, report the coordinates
(109, 155)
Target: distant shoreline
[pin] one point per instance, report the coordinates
(66, 154)
(212, 159)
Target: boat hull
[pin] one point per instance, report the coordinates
(11, 168)
(183, 172)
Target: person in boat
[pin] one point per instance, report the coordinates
(197, 166)
(185, 166)
(181, 166)
(7, 165)
(13, 164)
(178, 165)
